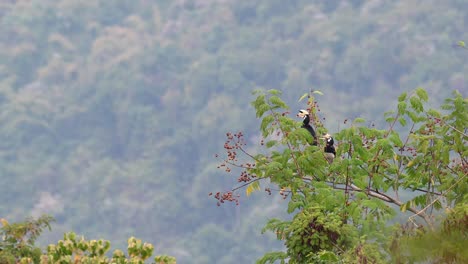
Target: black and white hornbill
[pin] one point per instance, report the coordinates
(329, 149)
(305, 124)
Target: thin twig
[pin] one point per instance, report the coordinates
(245, 184)
(443, 194)
(452, 127)
(236, 165)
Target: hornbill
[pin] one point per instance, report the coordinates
(305, 124)
(329, 149)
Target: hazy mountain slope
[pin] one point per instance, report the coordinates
(111, 111)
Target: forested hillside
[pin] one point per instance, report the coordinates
(111, 112)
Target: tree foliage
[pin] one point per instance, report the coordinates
(417, 164)
(18, 239)
(18, 246)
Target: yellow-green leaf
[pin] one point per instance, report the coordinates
(317, 92)
(303, 96)
(254, 186)
(403, 207)
(4, 222)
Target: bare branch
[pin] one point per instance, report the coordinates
(245, 184)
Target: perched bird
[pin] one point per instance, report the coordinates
(329, 149)
(305, 124)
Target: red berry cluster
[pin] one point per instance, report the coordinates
(227, 168)
(412, 151)
(232, 146)
(233, 143)
(226, 196)
(314, 105)
(367, 142)
(245, 177)
(436, 120)
(284, 193)
(430, 125)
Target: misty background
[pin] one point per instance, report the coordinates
(111, 112)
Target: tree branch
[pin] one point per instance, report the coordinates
(420, 212)
(385, 198)
(245, 184)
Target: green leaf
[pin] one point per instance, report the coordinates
(274, 92)
(371, 204)
(328, 256)
(259, 100)
(366, 131)
(422, 94)
(262, 109)
(303, 96)
(395, 139)
(390, 119)
(402, 121)
(461, 44)
(271, 143)
(359, 120)
(273, 257)
(401, 107)
(389, 113)
(423, 146)
(437, 205)
(414, 117)
(257, 91)
(384, 144)
(420, 200)
(360, 183)
(276, 101)
(416, 104)
(402, 97)
(434, 113)
(294, 205)
(266, 121)
(273, 167)
(362, 152)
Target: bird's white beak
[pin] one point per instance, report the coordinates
(302, 113)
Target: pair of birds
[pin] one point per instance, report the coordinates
(329, 149)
